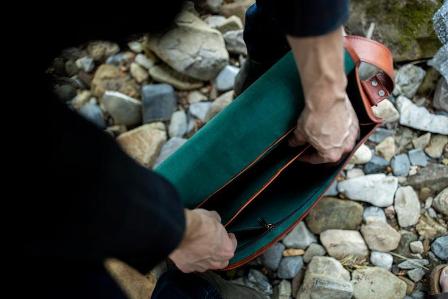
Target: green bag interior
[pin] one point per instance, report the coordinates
(212, 168)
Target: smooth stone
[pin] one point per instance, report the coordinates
(332, 190)
(272, 257)
(108, 77)
(220, 104)
(199, 110)
(123, 109)
(376, 165)
(289, 267)
(169, 148)
(380, 236)
(343, 243)
(226, 78)
(300, 237)
(376, 189)
(373, 214)
(164, 74)
(196, 97)
(235, 42)
(259, 281)
(178, 124)
(362, 155)
(138, 73)
(381, 259)
(380, 134)
(407, 206)
(81, 99)
(377, 283)
(416, 247)
(386, 111)
(400, 165)
(436, 146)
(136, 46)
(86, 64)
(145, 61)
(416, 275)
(354, 173)
(386, 148)
(413, 264)
(283, 290)
(312, 251)
(408, 80)
(440, 248)
(422, 141)
(440, 100)
(293, 252)
(92, 112)
(159, 102)
(440, 202)
(214, 21)
(434, 176)
(418, 157)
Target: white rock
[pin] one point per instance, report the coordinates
(416, 247)
(200, 110)
(377, 283)
(420, 118)
(226, 78)
(144, 61)
(178, 124)
(408, 79)
(139, 73)
(196, 97)
(342, 243)
(386, 111)
(373, 214)
(354, 173)
(407, 206)
(362, 155)
(169, 148)
(386, 148)
(300, 237)
(376, 189)
(381, 259)
(380, 236)
(440, 202)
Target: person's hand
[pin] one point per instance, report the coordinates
(206, 244)
(328, 122)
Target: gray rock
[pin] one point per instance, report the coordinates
(418, 295)
(144, 61)
(380, 236)
(354, 173)
(213, 5)
(220, 104)
(312, 251)
(408, 80)
(373, 214)
(226, 78)
(380, 134)
(289, 267)
(235, 42)
(413, 264)
(300, 237)
(283, 290)
(376, 189)
(169, 148)
(332, 190)
(417, 157)
(259, 281)
(434, 176)
(331, 213)
(86, 64)
(400, 165)
(381, 259)
(343, 243)
(440, 100)
(191, 47)
(178, 124)
(272, 257)
(93, 113)
(100, 50)
(65, 92)
(440, 248)
(376, 165)
(387, 148)
(159, 102)
(419, 118)
(422, 141)
(139, 73)
(123, 109)
(440, 202)
(377, 283)
(386, 111)
(439, 61)
(416, 275)
(436, 146)
(403, 247)
(164, 74)
(120, 58)
(416, 247)
(407, 206)
(200, 110)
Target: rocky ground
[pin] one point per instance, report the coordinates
(380, 229)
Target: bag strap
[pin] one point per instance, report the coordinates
(379, 86)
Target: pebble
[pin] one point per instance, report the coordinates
(400, 165)
(300, 237)
(417, 157)
(407, 206)
(226, 78)
(381, 259)
(289, 267)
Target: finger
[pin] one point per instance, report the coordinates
(214, 215)
(297, 139)
(218, 265)
(234, 241)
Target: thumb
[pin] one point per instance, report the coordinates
(297, 139)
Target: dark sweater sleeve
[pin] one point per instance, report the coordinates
(92, 201)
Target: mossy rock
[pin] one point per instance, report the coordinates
(405, 26)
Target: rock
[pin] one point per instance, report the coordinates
(214, 21)
(440, 202)
(332, 190)
(108, 77)
(312, 251)
(64, 92)
(283, 290)
(226, 78)
(169, 148)
(417, 157)
(164, 74)
(400, 165)
(362, 155)
(436, 146)
(377, 283)
(293, 252)
(380, 134)
(416, 275)
(220, 104)
(422, 141)
(178, 124)
(81, 99)
(196, 97)
(86, 64)
(325, 279)
(121, 59)
(100, 50)
(403, 247)
(413, 264)
(123, 109)
(199, 110)
(139, 73)
(376, 165)
(407, 206)
(235, 42)
(223, 24)
(400, 33)
(386, 111)
(289, 267)
(373, 214)
(403, 138)
(213, 5)
(419, 118)
(440, 248)
(159, 102)
(410, 285)
(191, 47)
(408, 80)
(386, 148)
(92, 112)
(380, 236)
(300, 237)
(135, 46)
(434, 176)
(144, 143)
(343, 243)
(354, 173)
(416, 247)
(440, 100)
(145, 61)
(237, 8)
(381, 259)
(428, 228)
(259, 281)
(376, 189)
(331, 213)
(429, 82)
(272, 257)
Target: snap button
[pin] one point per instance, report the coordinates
(374, 83)
(381, 93)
